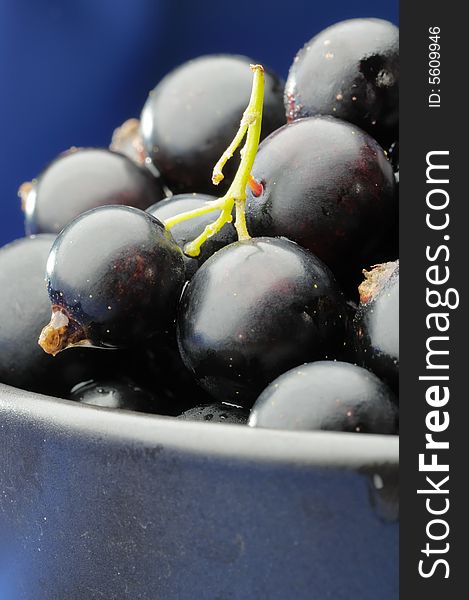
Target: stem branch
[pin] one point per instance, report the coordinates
(196, 212)
(236, 195)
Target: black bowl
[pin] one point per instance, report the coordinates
(96, 504)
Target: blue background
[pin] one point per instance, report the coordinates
(73, 70)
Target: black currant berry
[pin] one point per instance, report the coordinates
(329, 396)
(255, 309)
(193, 114)
(328, 186)
(82, 179)
(350, 71)
(24, 308)
(114, 277)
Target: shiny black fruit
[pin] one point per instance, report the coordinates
(328, 186)
(193, 114)
(255, 309)
(328, 396)
(24, 308)
(114, 278)
(350, 71)
(85, 178)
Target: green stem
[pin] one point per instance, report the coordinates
(236, 195)
(196, 212)
(253, 116)
(193, 248)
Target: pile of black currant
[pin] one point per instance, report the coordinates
(274, 302)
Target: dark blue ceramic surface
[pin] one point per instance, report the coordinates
(96, 504)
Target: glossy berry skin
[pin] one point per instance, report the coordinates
(376, 323)
(115, 392)
(253, 310)
(24, 309)
(216, 412)
(117, 274)
(82, 179)
(327, 396)
(187, 231)
(393, 154)
(328, 186)
(350, 71)
(193, 114)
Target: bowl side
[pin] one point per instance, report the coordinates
(103, 504)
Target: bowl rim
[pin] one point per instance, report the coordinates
(213, 440)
